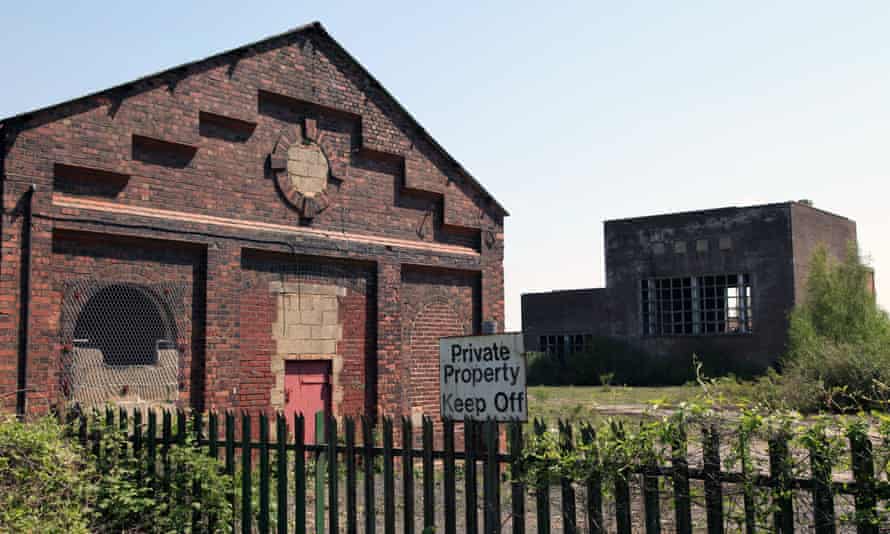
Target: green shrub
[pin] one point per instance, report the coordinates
(130, 497)
(49, 483)
(607, 361)
(543, 369)
(44, 481)
(839, 342)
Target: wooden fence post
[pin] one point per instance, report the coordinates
(407, 476)
(96, 436)
(595, 524)
(123, 425)
(351, 481)
(212, 434)
(82, 429)
(137, 442)
(780, 472)
(713, 486)
(389, 506)
(748, 489)
(300, 473)
(569, 518)
(333, 477)
(166, 441)
(246, 486)
(622, 493)
(450, 482)
(682, 500)
(517, 493)
(212, 451)
(180, 426)
(491, 478)
(864, 474)
(198, 429)
(823, 498)
(320, 471)
(368, 459)
(281, 472)
(651, 500)
(230, 459)
(429, 497)
(542, 491)
(263, 522)
(471, 500)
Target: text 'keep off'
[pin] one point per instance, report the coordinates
(483, 378)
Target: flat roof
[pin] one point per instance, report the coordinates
(719, 211)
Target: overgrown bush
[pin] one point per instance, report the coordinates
(607, 361)
(130, 497)
(49, 483)
(45, 484)
(839, 342)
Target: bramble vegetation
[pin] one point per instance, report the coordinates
(612, 450)
(44, 479)
(49, 483)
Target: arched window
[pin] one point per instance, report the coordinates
(126, 324)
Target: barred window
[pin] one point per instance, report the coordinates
(697, 305)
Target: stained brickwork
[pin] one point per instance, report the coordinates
(308, 309)
(83, 262)
(176, 177)
(435, 303)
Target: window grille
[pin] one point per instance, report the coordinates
(124, 324)
(697, 305)
(120, 341)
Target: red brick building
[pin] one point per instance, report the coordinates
(227, 232)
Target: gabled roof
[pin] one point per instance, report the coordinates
(313, 26)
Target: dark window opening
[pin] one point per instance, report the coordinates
(126, 324)
(696, 305)
(564, 344)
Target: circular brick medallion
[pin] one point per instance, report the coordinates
(307, 168)
(301, 171)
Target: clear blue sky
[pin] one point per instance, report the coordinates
(570, 115)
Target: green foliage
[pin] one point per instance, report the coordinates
(128, 496)
(613, 451)
(48, 483)
(44, 481)
(839, 342)
(619, 451)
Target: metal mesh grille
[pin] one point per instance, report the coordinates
(121, 342)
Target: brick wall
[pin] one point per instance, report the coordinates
(307, 308)
(811, 229)
(181, 165)
(435, 303)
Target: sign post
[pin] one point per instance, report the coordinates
(482, 378)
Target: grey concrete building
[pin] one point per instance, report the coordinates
(718, 283)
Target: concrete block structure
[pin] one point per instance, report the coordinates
(189, 238)
(717, 283)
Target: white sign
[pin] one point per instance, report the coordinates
(483, 377)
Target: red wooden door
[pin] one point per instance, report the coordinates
(307, 390)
